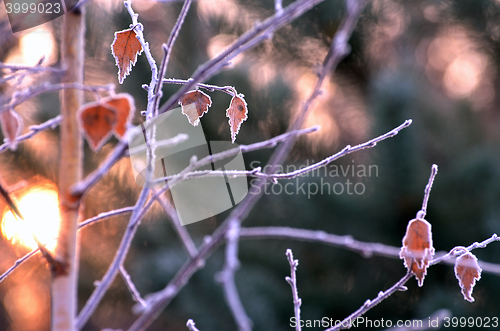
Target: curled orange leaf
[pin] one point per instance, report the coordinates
(124, 105)
(467, 271)
(194, 104)
(417, 248)
(99, 120)
(237, 113)
(125, 49)
(12, 125)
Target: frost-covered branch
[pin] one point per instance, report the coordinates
(18, 263)
(421, 214)
(226, 278)
(226, 89)
(121, 147)
(131, 286)
(167, 50)
(369, 304)
(105, 215)
(366, 249)
(459, 250)
(181, 231)
(191, 326)
(33, 130)
(138, 28)
(292, 280)
(25, 94)
(257, 172)
(121, 253)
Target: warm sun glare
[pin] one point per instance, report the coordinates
(40, 209)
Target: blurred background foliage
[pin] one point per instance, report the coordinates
(433, 61)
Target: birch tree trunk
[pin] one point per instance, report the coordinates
(65, 271)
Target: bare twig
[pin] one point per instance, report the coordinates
(226, 277)
(351, 320)
(292, 280)
(226, 89)
(138, 28)
(181, 231)
(34, 129)
(167, 50)
(121, 147)
(191, 326)
(121, 253)
(18, 263)
(258, 173)
(131, 287)
(278, 6)
(421, 214)
(25, 94)
(105, 215)
(366, 249)
(36, 68)
(457, 251)
(114, 267)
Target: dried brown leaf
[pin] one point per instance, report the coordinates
(97, 121)
(194, 104)
(417, 248)
(125, 49)
(237, 113)
(124, 106)
(467, 271)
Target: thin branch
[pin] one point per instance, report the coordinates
(366, 249)
(121, 147)
(121, 253)
(226, 89)
(114, 267)
(350, 321)
(226, 277)
(105, 215)
(191, 326)
(299, 172)
(179, 138)
(292, 280)
(167, 50)
(36, 68)
(181, 231)
(18, 263)
(80, 226)
(25, 94)
(421, 214)
(131, 287)
(138, 28)
(278, 6)
(457, 251)
(35, 129)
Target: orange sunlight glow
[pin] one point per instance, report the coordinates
(40, 208)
